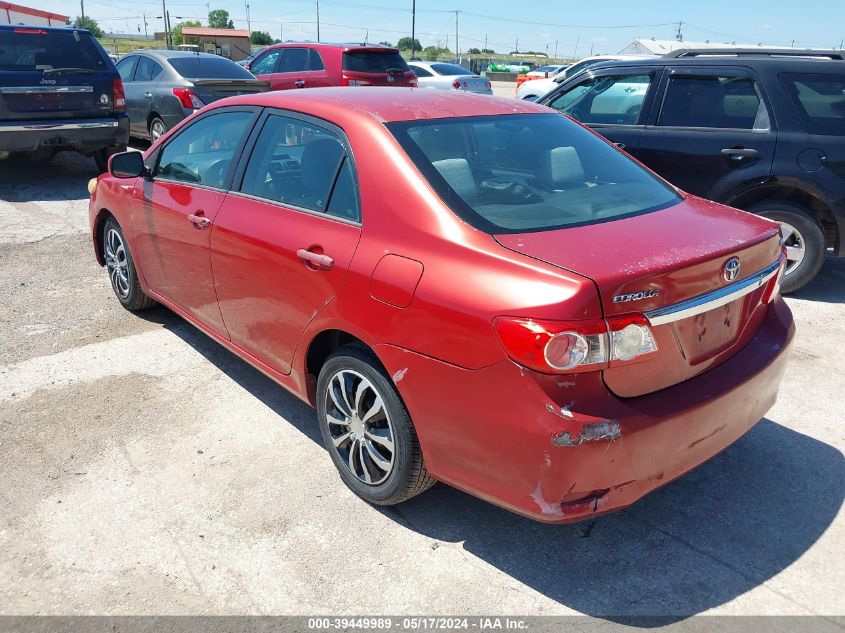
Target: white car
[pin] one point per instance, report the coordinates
(536, 88)
(444, 76)
(549, 70)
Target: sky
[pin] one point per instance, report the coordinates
(572, 28)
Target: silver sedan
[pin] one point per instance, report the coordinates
(443, 76)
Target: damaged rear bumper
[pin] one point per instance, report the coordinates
(564, 448)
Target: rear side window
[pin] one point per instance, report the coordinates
(294, 60)
(33, 49)
(610, 100)
(525, 173)
(820, 101)
(373, 61)
(419, 71)
(316, 62)
(713, 102)
(302, 165)
(202, 153)
(147, 70)
(197, 67)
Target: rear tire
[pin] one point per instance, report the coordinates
(804, 240)
(157, 129)
(121, 269)
(367, 430)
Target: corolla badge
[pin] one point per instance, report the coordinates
(636, 296)
(730, 269)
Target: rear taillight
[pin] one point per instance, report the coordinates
(487, 84)
(773, 287)
(118, 94)
(456, 84)
(413, 83)
(575, 346)
(188, 99)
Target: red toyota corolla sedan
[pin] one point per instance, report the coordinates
(470, 290)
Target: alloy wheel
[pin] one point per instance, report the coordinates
(156, 130)
(116, 263)
(360, 427)
(796, 249)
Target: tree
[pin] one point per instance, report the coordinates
(90, 24)
(406, 42)
(432, 53)
(488, 51)
(260, 38)
(219, 19)
(177, 33)
(388, 44)
(473, 51)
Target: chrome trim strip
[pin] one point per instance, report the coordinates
(712, 300)
(31, 90)
(60, 125)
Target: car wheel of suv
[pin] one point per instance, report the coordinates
(121, 269)
(803, 238)
(157, 129)
(367, 430)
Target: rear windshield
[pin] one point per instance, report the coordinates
(49, 50)
(529, 172)
(196, 67)
(820, 101)
(450, 69)
(376, 61)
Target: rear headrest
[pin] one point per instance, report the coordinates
(561, 167)
(320, 160)
(457, 173)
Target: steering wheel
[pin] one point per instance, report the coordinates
(215, 174)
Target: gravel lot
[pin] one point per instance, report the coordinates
(144, 469)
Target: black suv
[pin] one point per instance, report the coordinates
(59, 90)
(760, 130)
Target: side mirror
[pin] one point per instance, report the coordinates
(127, 165)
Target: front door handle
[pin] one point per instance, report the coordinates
(299, 83)
(148, 95)
(317, 261)
(199, 220)
(740, 153)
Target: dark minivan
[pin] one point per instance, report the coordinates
(59, 90)
(760, 130)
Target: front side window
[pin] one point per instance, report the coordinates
(616, 100)
(202, 153)
(266, 64)
(525, 173)
(147, 70)
(701, 101)
(820, 101)
(294, 60)
(303, 165)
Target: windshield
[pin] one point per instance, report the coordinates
(32, 49)
(529, 172)
(450, 70)
(373, 61)
(196, 67)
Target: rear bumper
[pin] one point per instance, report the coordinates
(563, 448)
(84, 135)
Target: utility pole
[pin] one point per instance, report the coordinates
(82, 8)
(457, 47)
(169, 32)
(248, 23)
(413, 25)
(556, 49)
(144, 17)
(575, 52)
(516, 50)
(281, 32)
(680, 34)
(366, 36)
(166, 30)
(318, 20)
(485, 41)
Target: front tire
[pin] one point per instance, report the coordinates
(367, 430)
(121, 269)
(803, 237)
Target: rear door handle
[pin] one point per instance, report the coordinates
(315, 260)
(199, 220)
(148, 95)
(740, 153)
(299, 83)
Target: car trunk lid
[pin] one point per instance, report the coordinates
(654, 263)
(471, 83)
(53, 75)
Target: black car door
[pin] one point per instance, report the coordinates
(613, 101)
(710, 131)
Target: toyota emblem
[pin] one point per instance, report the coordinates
(390, 79)
(730, 270)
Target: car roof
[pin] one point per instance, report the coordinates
(168, 54)
(332, 45)
(388, 104)
(721, 60)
